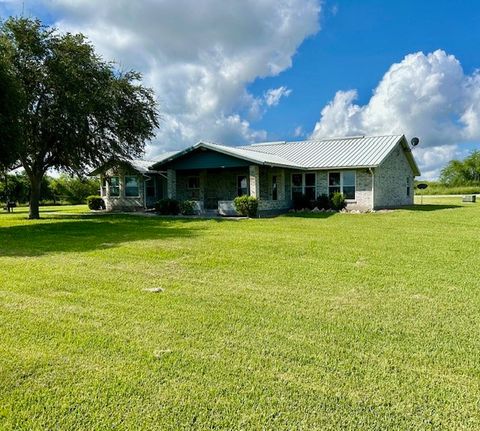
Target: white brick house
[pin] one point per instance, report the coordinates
(372, 172)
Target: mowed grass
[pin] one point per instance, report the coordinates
(344, 321)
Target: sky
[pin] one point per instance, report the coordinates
(244, 71)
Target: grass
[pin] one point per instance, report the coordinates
(436, 188)
(345, 321)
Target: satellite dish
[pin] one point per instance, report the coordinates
(415, 141)
(422, 186)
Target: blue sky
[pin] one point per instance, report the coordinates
(251, 70)
(358, 42)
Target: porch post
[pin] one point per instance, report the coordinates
(254, 172)
(171, 184)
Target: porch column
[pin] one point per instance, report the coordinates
(254, 172)
(171, 184)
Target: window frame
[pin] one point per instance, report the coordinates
(110, 187)
(274, 184)
(195, 191)
(247, 188)
(125, 186)
(304, 183)
(341, 185)
(151, 180)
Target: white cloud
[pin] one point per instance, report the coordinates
(428, 96)
(273, 95)
(199, 56)
(299, 132)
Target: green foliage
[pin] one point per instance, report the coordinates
(187, 207)
(167, 207)
(76, 110)
(337, 201)
(246, 206)
(95, 202)
(74, 189)
(462, 172)
(11, 99)
(301, 202)
(322, 202)
(16, 187)
(437, 188)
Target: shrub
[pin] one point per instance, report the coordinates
(188, 207)
(167, 206)
(337, 201)
(246, 205)
(301, 201)
(95, 202)
(322, 202)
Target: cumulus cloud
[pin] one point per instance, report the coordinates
(428, 96)
(199, 56)
(273, 96)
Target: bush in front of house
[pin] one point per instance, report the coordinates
(95, 202)
(246, 205)
(322, 203)
(301, 202)
(188, 207)
(337, 201)
(167, 207)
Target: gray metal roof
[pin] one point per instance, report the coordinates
(335, 153)
(357, 151)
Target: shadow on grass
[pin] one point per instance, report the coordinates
(430, 207)
(81, 233)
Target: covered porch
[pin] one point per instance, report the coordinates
(214, 189)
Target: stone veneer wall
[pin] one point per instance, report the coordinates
(123, 203)
(391, 179)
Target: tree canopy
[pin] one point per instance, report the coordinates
(462, 172)
(76, 110)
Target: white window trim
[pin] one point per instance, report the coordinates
(341, 183)
(109, 187)
(248, 185)
(125, 187)
(303, 174)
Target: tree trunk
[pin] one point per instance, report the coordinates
(35, 185)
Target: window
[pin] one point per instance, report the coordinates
(342, 182)
(310, 187)
(242, 185)
(114, 186)
(304, 184)
(274, 188)
(150, 188)
(131, 187)
(408, 186)
(103, 188)
(193, 186)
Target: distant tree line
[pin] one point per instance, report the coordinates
(53, 190)
(464, 172)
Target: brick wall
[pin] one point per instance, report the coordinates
(391, 179)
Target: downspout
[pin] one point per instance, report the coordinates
(372, 173)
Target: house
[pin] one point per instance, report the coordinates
(371, 171)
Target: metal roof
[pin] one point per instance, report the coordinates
(334, 153)
(358, 151)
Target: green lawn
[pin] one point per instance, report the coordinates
(345, 321)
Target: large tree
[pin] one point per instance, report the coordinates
(462, 172)
(77, 109)
(10, 108)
